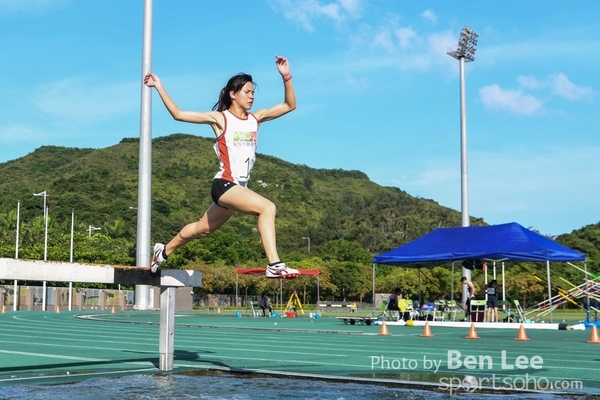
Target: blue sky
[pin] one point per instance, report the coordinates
(376, 90)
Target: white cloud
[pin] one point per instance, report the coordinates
(405, 49)
(429, 16)
(20, 133)
(530, 82)
(405, 37)
(494, 97)
(31, 6)
(379, 51)
(388, 35)
(374, 45)
(439, 44)
(307, 11)
(73, 99)
(562, 86)
(559, 84)
(384, 40)
(551, 180)
(547, 184)
(352, 7)
(436, 176)
(547, 48)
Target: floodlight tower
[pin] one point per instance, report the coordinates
(465, 52)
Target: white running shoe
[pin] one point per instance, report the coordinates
(280, 270)
(158, 257)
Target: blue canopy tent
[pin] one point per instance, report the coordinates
(509, 241)
(494, 242)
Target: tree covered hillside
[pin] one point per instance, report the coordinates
(347, 217)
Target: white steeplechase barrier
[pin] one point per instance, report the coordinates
(167, 279)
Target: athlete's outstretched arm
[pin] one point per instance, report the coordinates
(289, 97)
(196, 117)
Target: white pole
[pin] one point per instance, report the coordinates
(503, 284)
(464, 52)
(549, 290)
(71, 259)
(452, 285)
(587, 295)
(308, 242)
(45, 229)
(319, 289)
(143, 253)
(17, 237)
(373, 279)
(16, 287)
(45, 194)
(486, 277)
(464, 194)
(44, 288)
(421, 300)
(463, 148)
(72, 230)
(281, 295)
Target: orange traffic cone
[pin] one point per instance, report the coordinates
(472, 333)
(57, 309)
(426, 331)
(383, 331)
(522, 335)
(594, 336)
(3, 309)
(112, 311)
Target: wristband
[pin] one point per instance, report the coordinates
(288, 77)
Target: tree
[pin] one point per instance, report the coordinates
(350, 279)
(344, 250)
(524, 287)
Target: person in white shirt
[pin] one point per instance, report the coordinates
(470, 295)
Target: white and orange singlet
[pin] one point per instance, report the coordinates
(236, 148)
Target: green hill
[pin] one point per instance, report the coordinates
(347, 217)
(100, 186)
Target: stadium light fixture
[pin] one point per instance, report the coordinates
(465, 52)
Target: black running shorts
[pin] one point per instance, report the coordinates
(492, 302)
(219, 186)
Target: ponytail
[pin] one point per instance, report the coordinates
(235, 84)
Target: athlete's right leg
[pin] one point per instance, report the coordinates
(246, 201)
(212, 220)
